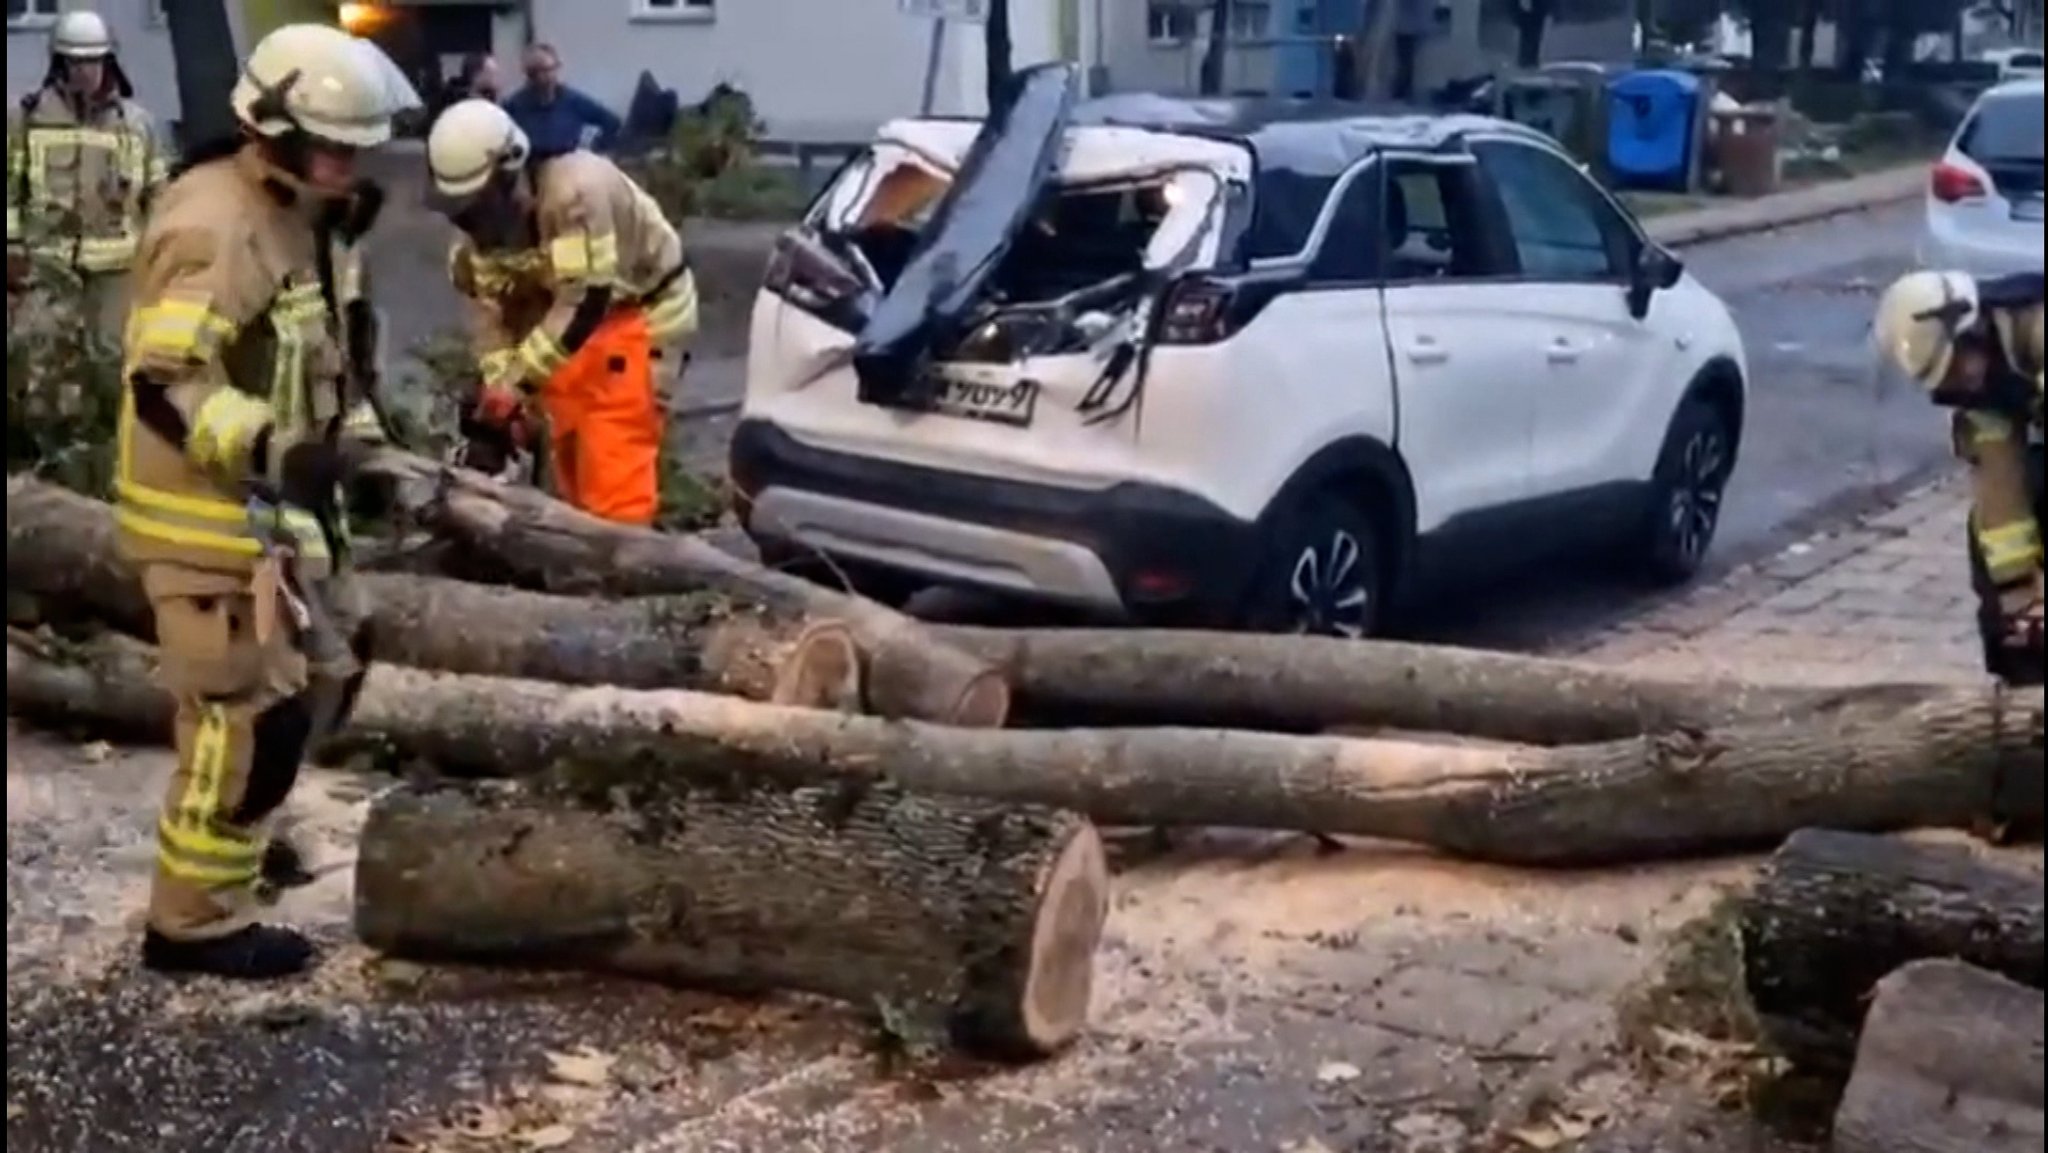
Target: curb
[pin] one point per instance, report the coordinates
(1802, 206)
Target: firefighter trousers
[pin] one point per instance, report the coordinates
(247, 710)
(2001, 660)
(605, 423)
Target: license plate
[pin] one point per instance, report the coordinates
(2028, 209)
(998, 400)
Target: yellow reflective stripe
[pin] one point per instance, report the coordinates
(13, 220)
(581, 256)
(179, 329)
(1987, 428)
(224, 429)
(362, 423)
(674, 312)
(542, 355)
(312, 545)
(500, 366)
(2010, 551)
(193, 839)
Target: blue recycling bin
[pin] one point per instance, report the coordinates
(1651, 118)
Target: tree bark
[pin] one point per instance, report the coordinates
(62, 550)
(1936, 762)
(531, 540)
(979, 918)
(1310, 684)
(1950, 1062)
(1834, 912)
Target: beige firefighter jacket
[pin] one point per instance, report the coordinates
(596, 228)
(78, 186)
(229, 318)
(1996, 447)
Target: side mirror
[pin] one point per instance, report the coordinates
(1656, 269)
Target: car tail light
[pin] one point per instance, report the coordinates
(1952, 183)
(1199, 311)
(804, 272)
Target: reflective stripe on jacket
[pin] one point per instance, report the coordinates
(230, 321)
(595, 228)
(78, 187)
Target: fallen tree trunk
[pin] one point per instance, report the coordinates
(526, 538)
(62, 549)
(1834, 912)
(1950, 1062)
(955, 912)
(1936, 762)
(1312, 684)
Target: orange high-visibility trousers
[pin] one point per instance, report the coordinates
(605, 424)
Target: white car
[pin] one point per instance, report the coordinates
(1220, 364)
(1984, 196)
(2015, 63)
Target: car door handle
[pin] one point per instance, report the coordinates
(1425, 350)
(1563, 351)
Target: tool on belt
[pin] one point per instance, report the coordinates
(279, 582)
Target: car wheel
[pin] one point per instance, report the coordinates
(1687, 494)
(1322, 576)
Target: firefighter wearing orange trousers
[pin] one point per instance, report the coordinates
(235, 432)
(579, 291)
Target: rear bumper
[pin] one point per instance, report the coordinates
(1131, 549)
(1953, 249)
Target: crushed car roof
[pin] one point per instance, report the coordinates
(1310, 137)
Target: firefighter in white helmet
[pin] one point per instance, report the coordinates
(579, 292)
(248, 401)
(82, 160)
(1976, 346)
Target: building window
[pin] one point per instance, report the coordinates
(674, 9)
(31, 13)
(1170, 19)
(1180, 20)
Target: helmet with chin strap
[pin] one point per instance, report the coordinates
(1920, 319)
(83, 36)
(470, 144)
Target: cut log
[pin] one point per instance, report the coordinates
(1950, 1062)
(1314, 684)
(524, 537)
(1933, 763)
(982, 918)
(62, 549)
(1834, 912)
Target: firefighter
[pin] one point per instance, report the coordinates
(579, 292)
(1977, 347)
(82, 163)
(237, 429)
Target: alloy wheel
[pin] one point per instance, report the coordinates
(1694, 512)
(1331, 588)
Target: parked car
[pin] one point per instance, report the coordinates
(2015, 63)
(1984, 197)
(1229, 364)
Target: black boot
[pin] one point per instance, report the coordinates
(284, 866)
(257, 953)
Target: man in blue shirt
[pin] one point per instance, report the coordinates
(555, 117)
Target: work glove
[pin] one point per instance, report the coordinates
(310, 473)
(498, 406)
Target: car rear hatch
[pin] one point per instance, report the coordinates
(2004, 138)
(990, 278)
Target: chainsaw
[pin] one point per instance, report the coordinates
(502, 452)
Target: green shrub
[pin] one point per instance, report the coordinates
(710, 166)
(63, 384)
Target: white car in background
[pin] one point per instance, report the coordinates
(1984, 198)
(1225, 364)
(2015, 63)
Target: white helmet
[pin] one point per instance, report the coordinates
(471, 142)
(81, 36)
(323, 82)
(1919, 318)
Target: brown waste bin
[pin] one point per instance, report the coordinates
(1746, 150)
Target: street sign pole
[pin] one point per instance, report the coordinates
(935, 54)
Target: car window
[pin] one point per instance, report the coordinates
(2005, 129)
(1419, 222)
(1563, 228)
